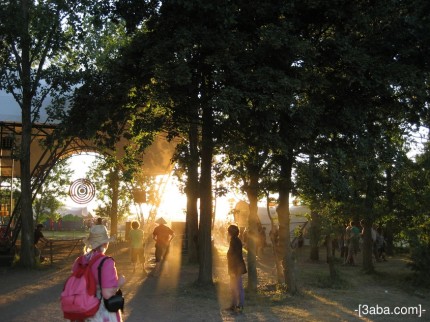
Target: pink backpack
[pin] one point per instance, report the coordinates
(79, 299)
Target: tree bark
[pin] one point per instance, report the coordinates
(192, 191)
(368, 266)
(27, 256)
(315, 235)
(330, 260)
(284, 223)
(389, 238)
(205, 240)
(114, 183)
(252, 239)
(275, 245)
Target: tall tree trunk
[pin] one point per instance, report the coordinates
(275, 244)
(315, 227)
(368, 266)
(388, 234)
(389, 238)
(205, 240)
(114, 182)
(315, 235)
(330, 259)
(284, 223)
(27, 257)
(192, 191)
(252, 240)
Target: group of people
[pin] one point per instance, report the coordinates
(97, 243)
(162, 235)
(351, 242)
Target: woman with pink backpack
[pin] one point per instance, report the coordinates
(101, 278)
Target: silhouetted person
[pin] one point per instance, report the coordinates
(38, 239)
(162, 235)
(236, 268)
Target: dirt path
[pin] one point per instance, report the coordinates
(34, 295)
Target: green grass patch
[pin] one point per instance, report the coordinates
(59, 234)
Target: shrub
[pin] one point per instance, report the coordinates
(72, 218)
(420, 257)
(420, 253)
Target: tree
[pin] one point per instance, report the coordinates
(188, 161)
(247, 161)
(177, 59)
(366, 94)
(115, 195)
(48, 199)
(36, 40)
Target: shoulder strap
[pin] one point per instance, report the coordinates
(99, 268)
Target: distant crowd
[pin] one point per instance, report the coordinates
(350, 241)
(347, 242)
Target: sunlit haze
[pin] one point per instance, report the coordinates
(173, 201)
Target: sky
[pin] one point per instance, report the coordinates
(173, 203)
(11, 112)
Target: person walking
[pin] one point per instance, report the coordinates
(352, 237)
(236, 268)
(137, 249)
(162, 235)
(96, 244)
(380, 245)
(39, 242)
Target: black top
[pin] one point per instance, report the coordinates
(37, 235)
(236, 264)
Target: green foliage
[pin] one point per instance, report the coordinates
(38, 50)
(72, 218)
(53, 192)
(419, 239)
(408, 197)
(103, 173)
(345, 171)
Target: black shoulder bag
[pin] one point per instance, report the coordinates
(115, 302)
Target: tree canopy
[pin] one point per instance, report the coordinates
(317, 96)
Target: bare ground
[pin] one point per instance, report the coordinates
(33, 295)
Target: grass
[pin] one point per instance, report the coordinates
(57, 234)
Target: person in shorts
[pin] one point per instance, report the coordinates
(137, 249)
